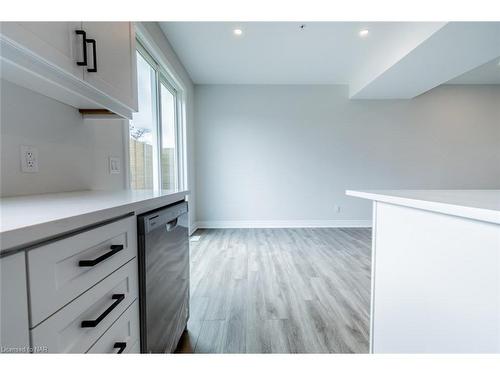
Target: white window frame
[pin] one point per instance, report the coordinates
(162, 80)
(163, 76)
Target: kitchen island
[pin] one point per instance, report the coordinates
(435, 271)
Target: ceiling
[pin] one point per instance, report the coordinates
(395, 59)
(486, 74)
(283, 53)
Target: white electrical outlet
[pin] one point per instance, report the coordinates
(114, 165)
(336, 208)
(29, 159)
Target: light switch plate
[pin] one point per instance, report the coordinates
(29, 159)
(114, 165)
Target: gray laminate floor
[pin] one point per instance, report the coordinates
(279, 291)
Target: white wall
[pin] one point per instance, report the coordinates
(163, 51)
(73, 153)
(288, 153)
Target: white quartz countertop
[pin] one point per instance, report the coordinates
(28, 219)
(481, 205)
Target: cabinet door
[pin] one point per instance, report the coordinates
(55, 42)
(14, 333)
(116, 73)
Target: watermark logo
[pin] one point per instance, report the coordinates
(24, 349)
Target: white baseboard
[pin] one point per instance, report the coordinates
(212, 224)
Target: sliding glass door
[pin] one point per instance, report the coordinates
(155, 130)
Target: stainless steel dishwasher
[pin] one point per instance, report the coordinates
(163, 277)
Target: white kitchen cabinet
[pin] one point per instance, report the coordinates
(44, 56)
(55, 272)
(122, 336)
(46, 291)
(14, 326)
(115, 59)
(135, 349)
(55, 42)
(100, 307)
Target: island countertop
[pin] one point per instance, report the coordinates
(481, 205)
(27, 219)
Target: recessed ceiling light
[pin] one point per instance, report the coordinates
(364, 33)
(238, 32)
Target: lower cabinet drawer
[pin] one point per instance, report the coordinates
(122, 335)
(61, 271)
(76, 327)
(136, 348)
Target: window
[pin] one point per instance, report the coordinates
(155, 134)
(168, 155)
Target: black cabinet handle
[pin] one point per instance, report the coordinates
(92, 41)
(84, 44)
(94, 323)
(93, 262)
(121, 346)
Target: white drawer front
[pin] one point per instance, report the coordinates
(63, 332)
(55, 274)
(136, 348)
(122, 335)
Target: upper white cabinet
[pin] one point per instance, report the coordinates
(114, 60)
(55, 42)
(88, 65)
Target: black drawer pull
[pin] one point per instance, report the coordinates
(121, 346)
(93, 262)
(84, 44)
(94, 53)
(94, 323)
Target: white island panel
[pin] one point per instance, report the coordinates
(436, 286)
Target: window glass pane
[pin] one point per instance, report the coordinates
(168, 139)
(143, 129)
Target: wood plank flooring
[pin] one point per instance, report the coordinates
(279, 291)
